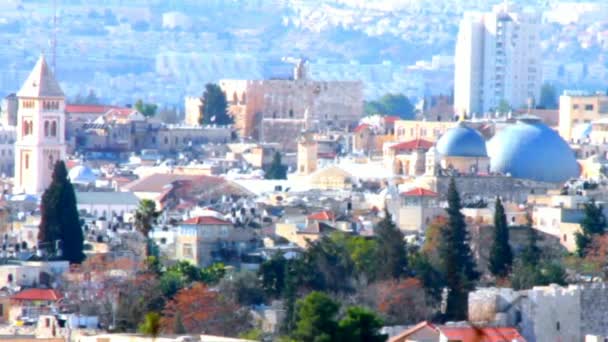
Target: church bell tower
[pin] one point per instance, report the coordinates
(40, 130)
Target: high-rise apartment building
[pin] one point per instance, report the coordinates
(497, 60)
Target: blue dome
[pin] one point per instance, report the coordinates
(462, 141)
(530, 149)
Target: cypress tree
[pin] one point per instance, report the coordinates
(59, 218)
(276, 170)
(501, 256)
(391, 256)
(215, 106)
(456, 258)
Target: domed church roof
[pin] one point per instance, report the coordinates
(462, 141)
(529, 149)
(82, 175)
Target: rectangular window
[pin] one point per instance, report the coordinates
(588, 107)
(187, 250)
(575, 106)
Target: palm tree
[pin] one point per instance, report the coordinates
(145, 218)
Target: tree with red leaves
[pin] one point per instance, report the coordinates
(202, 310)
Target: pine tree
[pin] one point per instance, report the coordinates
(594, 223)
(501, 256)
(215, 106)
(456, 258)
(391, 257)
(60, 223)
(276, 170)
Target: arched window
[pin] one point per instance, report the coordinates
(244, 98)
(46, 128)
(54, 129)
(235, 99)
(27, 161)
(166, 140)
(51, 162)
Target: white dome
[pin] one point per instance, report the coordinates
(82, 175)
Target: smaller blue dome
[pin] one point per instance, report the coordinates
(462, 141)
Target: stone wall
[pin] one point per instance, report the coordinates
(472, 187)
(545, 313)
(594, 313)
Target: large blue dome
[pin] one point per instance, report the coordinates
(530, 149)
(462, 141)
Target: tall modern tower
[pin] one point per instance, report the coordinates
(40, 130)
(497, 60)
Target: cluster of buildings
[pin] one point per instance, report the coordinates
(343, 170)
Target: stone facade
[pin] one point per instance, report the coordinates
(473, 187)
(321, 103)
(544, 314)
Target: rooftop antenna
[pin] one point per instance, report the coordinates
(54, 38)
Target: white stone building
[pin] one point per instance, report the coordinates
(40, 130)
(544, 313)
(497, 59)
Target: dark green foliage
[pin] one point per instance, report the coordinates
(183, 274)
(594, 223)
(170, 283)
(289, 298)
(391, 256)
(276, 170)
(501, 256)
(326, 266)
(391, 104)
(316, 318)
(272, 274)
(526, 276)
(431, 279)
(59, 218)
(215, 107)
(145, 218)
(360, 325)
(243, 288)
(548, 97)
(362, 251)
(456, 258)
(531, 254)
(317, 322)
(147, 109)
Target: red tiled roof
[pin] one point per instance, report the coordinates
(157, 182)
(324, 215)
(326, 155)
(360, 128)
(408, 332)
(487, 334)
(419, 192)
(206, 220)
(124, 112)
(86, 109)
(413, 145)
(37, 294)
(391, 119)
